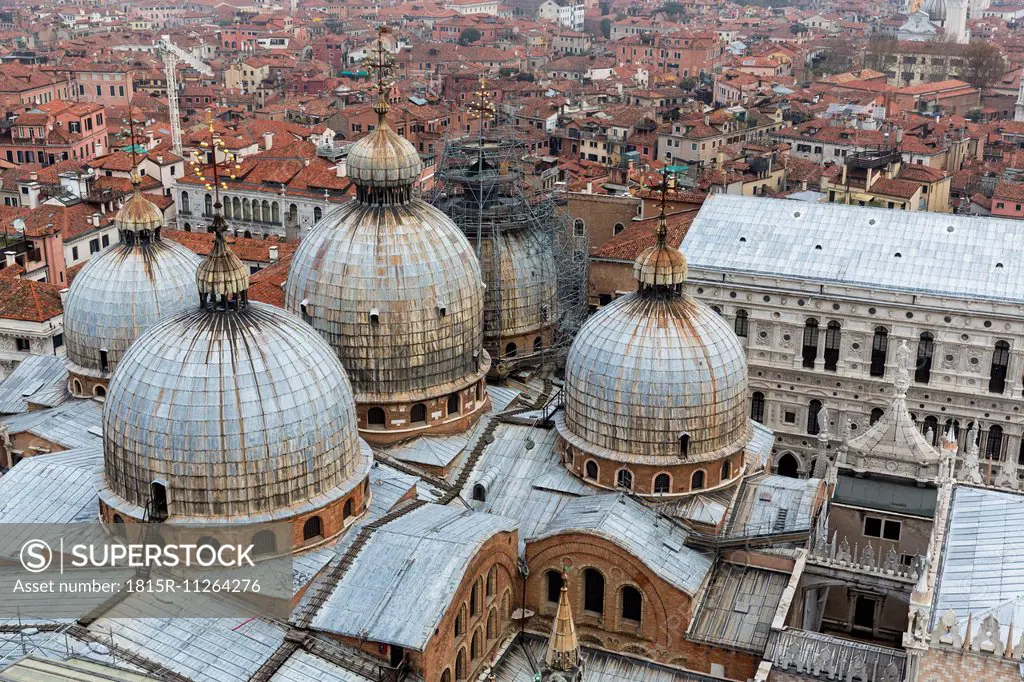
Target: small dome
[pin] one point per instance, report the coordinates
(138, 214)
(383, 160)
(647, 369)
(239, 413)
(936, 10)
(660, 266)
(121, 293)
(221, 273)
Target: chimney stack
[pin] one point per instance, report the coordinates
(33, 176)
(95, 219)
(9, 257)
(160, 159)
(64, 296)
(274, 254)
(268, 140)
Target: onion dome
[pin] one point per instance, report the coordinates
(395, 288)
(237, 411)
(383, 159)
(656, 378)
(122, 292)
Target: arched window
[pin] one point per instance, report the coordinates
(460, 664)
(717, 309)
(317, 214)
(460, 621)
(925, 348)
(188, 227)
(492, 624)
(208, 199)
(590, 469)
(593, 591)
(1000, 360)
(227, 208)
(99, 391)
(619, 227)
(446, 676)
(813, 427)
(624, 479)
(247, 234)
(475, 649)
(741, 324)
(632, 604)
(879, 349)
(453, 404)
(757, 406)
(293, 213)
(876, 414)
(788, 466)
(246, 209)
(810, 347)
(236, 207)
(537, 344)
(418, 413)
(994, 446)
(726, 470)
(275, 213)
(479, 492)
(684, 444)
(158, 500)
(833, 336)
(932, 424)
(579, 228)
(697, 480)
(264, 543)
(662, 483)
(474, 599)
(265, 213)
(376, 417)
(492, 582)
(510, 350)
(185, 209)
(313, 528)
(554, 584)
(951, 424)
(104, 362)
(76, 387)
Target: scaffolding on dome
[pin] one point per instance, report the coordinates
(533, 263)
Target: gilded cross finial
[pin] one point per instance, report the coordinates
(481, 107)
(384, 65)
(668, 181)
(217, 168)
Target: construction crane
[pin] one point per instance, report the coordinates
(173, 55)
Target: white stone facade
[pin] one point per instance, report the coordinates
(256, 213)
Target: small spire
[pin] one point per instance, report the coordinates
(383, 66)
(563, 652)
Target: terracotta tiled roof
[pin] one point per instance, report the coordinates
(253, 250)
(28, 300)
(1012, 191)
(904, 189)
(267, 285)
(918, 172)
(637, 236)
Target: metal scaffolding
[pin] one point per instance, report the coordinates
(533, 261)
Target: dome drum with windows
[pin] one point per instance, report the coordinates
(233, 412)
(656, 389)
(395, 288)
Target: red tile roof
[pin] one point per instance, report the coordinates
(639, 235)
(28, 300)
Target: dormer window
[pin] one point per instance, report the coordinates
(684, 444)
(374, 316)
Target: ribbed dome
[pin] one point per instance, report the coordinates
(646, 369)
(240, 413)
(138, 214)
(522, 285)
(383, 159)
(936, 10)
(660, 266)
(121, 293)
(396, 290)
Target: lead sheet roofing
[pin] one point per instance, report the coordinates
(911, 251)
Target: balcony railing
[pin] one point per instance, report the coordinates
(824, 657)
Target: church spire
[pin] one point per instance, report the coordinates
(563, 657)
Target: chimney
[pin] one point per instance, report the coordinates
(342, 168)
(160, 159)
(268, 140)
(274, 254)
(64, 296)
(9, 258)
(33, 176)
(305, 162)
(95, 219)
(99, 149)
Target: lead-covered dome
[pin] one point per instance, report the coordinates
(395, 288)
(237, 411)
(936, 10)
(656, 388)
(383, 159)
(122, 292)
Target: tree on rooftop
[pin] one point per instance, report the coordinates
(469, 35)
(672, 8)
(797, 29)
(879, 47)
(606, 28)
(984, 64)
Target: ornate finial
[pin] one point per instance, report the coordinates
(668, 181)
(970, 468)
(902, 380)
(216, 168)
(383, 64)
(563, 654)
(481, 107)
(134, 175)
(138, 220)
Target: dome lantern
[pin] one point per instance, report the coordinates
(138, 219)
(660, 270)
